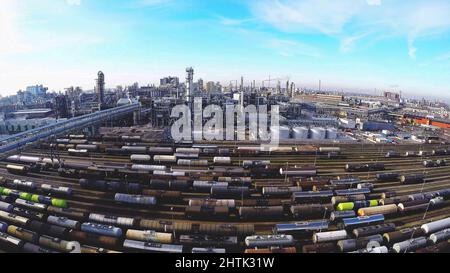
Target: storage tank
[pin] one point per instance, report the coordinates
(284, 132)
(318, 133)
(301, 132)
(331, 133)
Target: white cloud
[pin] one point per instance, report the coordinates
(290, 48)
(374, 2)
(426, 19)
(349, 43)
(152, 3)
(412, 52)
(344, 19)
(443, 57)
(327, 17)
(233, 22)
(73, 2)
(12, 41)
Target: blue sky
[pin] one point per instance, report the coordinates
(367, 45)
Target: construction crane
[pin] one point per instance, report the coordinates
(276, 79)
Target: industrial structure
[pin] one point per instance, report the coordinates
(189, 84)
(100, 88)
(351, 172)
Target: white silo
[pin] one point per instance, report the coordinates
(331, 133)
(301, 132)
(283, 132)
(318, 133)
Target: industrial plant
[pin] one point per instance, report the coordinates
(198, 135)
(100, 172)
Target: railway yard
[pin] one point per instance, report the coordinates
(108, 194)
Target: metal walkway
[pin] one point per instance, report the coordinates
(17, 141)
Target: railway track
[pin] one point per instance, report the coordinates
(172, 211)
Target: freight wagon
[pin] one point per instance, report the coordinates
(269, 240)
(207, 240)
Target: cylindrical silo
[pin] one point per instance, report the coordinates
(283, 132)
(301, 132)
(318, 133)
(331, 133)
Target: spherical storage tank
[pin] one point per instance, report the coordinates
(284, 132)
(331, 133)
(301, 132)
(318, 133)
